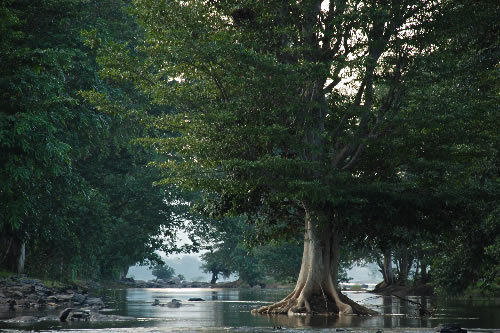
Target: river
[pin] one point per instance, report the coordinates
(226, 310)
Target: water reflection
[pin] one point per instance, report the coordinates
(231, 308)
(225, 308)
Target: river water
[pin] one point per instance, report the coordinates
(228, 310)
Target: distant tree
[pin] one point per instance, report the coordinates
(163, 271)
(280, 260)
(217, 264)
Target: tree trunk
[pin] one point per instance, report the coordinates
(215, 276)
(417, 270)
(123, 272)
(388, 275)
(21, 259)
(405, 262)
(13, 253)
(423, 273)
(315, 290)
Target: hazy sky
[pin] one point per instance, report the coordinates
(189, 266)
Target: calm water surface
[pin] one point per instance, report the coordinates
(227, 310)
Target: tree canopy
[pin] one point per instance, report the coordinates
(357, 125)
(76, 192)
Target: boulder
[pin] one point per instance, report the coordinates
(79, 315)
(174, 303)
(94, 302)
(28, 289)
(78, 298)
(450, 328)
(64, 314)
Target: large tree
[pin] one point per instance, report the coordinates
(274, 104)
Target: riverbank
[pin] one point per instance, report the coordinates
(176, 283)
(25, 300)
(403, 291)
(23, 292)
(157, 309)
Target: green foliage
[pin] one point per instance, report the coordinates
(464, 87)
(217, 264)
(259, 124)
(5, 274)
(233, 251)
(259, 110)
(280, 260)
(163, 271)
(73, 186)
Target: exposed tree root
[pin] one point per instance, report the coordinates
(357, 308)
(296, 303)
(315, 291)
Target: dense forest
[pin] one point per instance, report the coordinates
(279, 135)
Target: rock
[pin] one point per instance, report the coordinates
(196, 299)
(11, 303)
(174, 303)
(79, 315)
(42, 290)
(94, 302)
(156, 302)
(450, 328)
(78, 298)
(64, 314)
(63, 298)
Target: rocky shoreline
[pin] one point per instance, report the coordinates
(19, 295)
(171, 283)
(22, 292)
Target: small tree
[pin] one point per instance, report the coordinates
(163, 272)
(218, 263)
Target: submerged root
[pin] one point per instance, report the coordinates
(356, 308)
(300, 305)
(281, 307)
(315, 304)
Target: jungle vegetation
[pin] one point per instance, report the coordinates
(349, 130)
